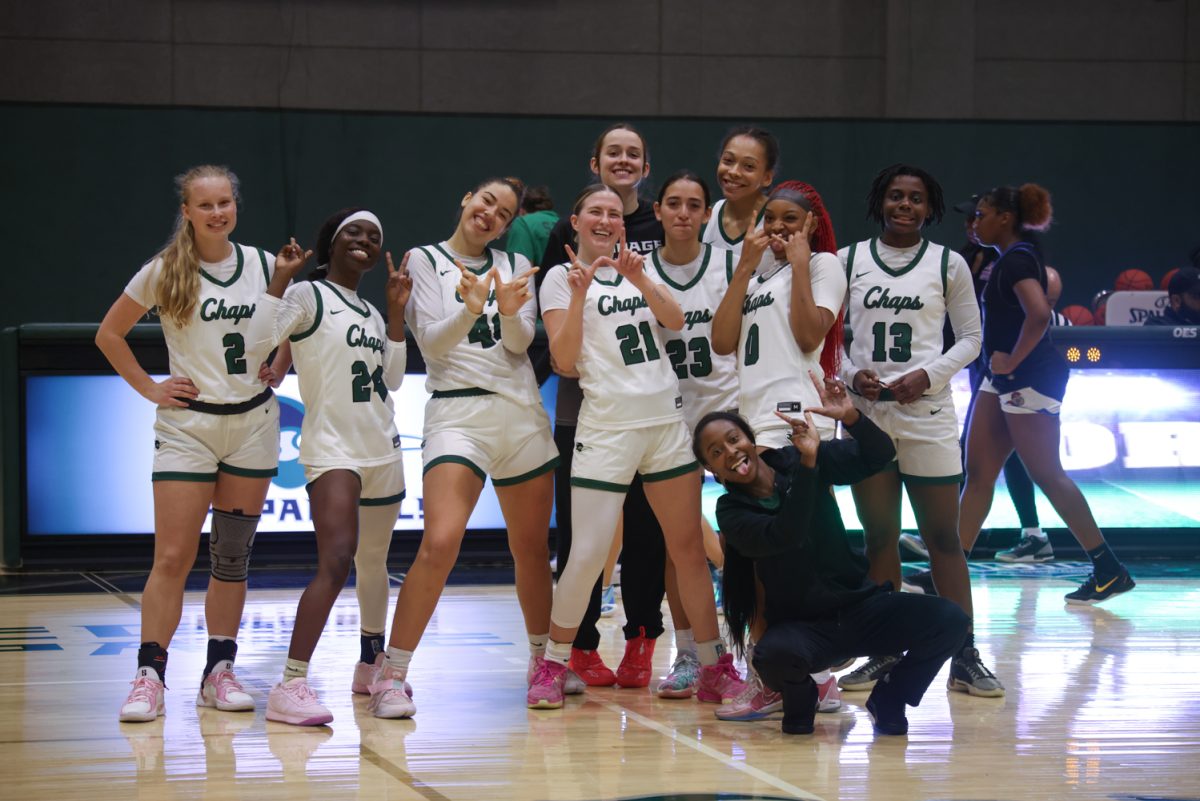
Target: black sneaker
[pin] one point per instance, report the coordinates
(864, 678)
(1029, 549)
(887, 721)
(1093, 591)
(968, 675)
(920, 583)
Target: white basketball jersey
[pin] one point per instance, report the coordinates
(772, 370)
(480, 360)
(348, 414)
(714, 232)
(895, 312)
(211, 350)
(707, 381)
(624, 371)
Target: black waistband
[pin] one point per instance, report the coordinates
(469, 392)
(230, 408)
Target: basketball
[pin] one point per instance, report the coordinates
(1166, 279)
(1134, 279)
(1078, 315)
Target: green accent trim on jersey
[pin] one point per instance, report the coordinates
(537, 471)
(342, 298)
(721, 225)
(469, 392)
(729, 266)
(429, 256)
(177, 476)
(707, 250)
(247, 472)
(850, 261)
(779, 266)
(262, 260)
(388, 501)
(945, 269)
(462, 460)
(606, 486)
(897, 273)
(237, 273)
(615, 282)
(487, 265)
(675, 472)
(925, 481)
(316, 317)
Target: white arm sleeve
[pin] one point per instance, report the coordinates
(276, 319)
(395, 359)
(963, 310)
(436, 328)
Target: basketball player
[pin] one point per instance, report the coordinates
(473, 315)
(902, 288)
(602, 316)
(348, 361)
(1021, 396)
(746, 167)
(216, 434)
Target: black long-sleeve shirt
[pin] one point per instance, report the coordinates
(796, 537)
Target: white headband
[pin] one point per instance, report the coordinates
(360, 215)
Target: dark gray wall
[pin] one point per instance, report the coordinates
(87, 190)
(946, 59)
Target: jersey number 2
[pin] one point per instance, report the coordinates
(631, 351)
(235, 351)
(901, 350)
(365, 380)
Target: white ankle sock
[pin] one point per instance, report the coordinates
(295, 669)
(1035, 532)
(710, 651)
(537, 644)
(685, 641)
(559, 652)
(396, 662)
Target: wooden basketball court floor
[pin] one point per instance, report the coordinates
(1102, 703)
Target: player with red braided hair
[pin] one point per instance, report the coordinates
(782, 316)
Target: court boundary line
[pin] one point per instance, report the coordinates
(708, 751)
(400, 774)
(113, 589)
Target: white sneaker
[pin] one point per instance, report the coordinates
(145, 700)
(364, 677)
(390, 697)
(295, 702)
(221, 690)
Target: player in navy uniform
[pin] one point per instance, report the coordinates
(1020, 398)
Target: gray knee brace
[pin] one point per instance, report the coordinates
(229, 544)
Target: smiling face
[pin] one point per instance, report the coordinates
(729, 453)
(682, 210)
(599, 224)
(356, 248)
(905, 206)
(742, 168)
(621, 161)
(210, 206)
(781, 219)
(487, 212)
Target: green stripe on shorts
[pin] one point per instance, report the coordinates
(388, 501)
(176, 476)
(663, 475)
(931, 480)
(464, 461)
(591, 483)
(248, 472)
(537, 471)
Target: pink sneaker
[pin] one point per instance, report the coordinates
(390, 697)
(364, 676)
(829, 697)
(755, 703)
(546, 689)
(572, 684)
(145, 701)
(720, 683)
(295, 702)
(222, 690)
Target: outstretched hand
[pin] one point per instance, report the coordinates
(579, 277)
(835, 400)
(399, 283)
(291, 258)
(473, 289)
(804, 436)
(514, 294)
(753, 247)
(798, 246)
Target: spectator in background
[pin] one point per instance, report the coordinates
(1183, 299)
(529, 233)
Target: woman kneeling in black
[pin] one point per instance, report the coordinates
(780, 521)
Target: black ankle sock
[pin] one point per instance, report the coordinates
(969, 642)
(1104, 562)
(370, 646)
(153, 655)
(219, 650)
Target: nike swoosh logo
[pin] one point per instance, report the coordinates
(934, 411)
(860, 275)
(1102, 588)
(336, 311)
(444, 272)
